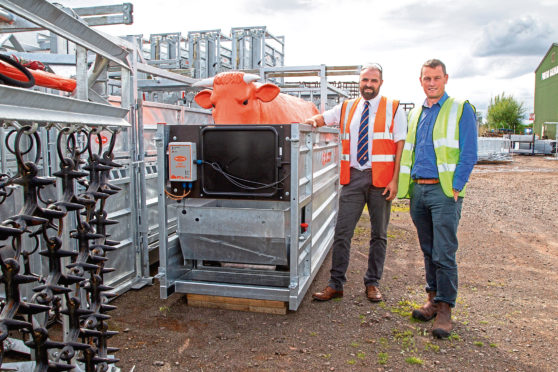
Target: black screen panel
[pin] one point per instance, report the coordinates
(247, 155)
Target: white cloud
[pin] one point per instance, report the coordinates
(283, 6)
(524, 36)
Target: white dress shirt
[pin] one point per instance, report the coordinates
(333, 116)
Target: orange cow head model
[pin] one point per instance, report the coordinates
(236, 99)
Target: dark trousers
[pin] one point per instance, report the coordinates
(354, 196)
(436, 218)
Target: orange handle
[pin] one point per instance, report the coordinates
(42, 78)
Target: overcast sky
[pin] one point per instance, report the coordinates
(488, 46)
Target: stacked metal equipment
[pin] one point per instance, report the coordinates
(62, 218)
(231, 239)
(76, 296)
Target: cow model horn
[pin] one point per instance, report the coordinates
(206, 83)
(248, 78)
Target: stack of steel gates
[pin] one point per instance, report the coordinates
(72, 293)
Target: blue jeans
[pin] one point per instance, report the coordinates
(436, 218)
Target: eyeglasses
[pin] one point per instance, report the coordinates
(375, 66)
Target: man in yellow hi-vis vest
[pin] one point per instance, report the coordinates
(372, 132)
(439, 155)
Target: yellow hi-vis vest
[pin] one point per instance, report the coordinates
(383, 148)
(445, 137)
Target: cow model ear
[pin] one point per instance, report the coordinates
(203, 98)
(267, 92)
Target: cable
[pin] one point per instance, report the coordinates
(14, 82)
(178, 197)
(237, 181)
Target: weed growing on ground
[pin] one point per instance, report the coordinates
(404, 308)
(326, 356)
(383, 358)
(492, 344)
(478, 343)
(422, 332)
(399, 207)
(454, 337)
(407, 339)
(355, 344)
(414, 360)
(383, 341)
(361, 355)
(351, 362)
(431, 347)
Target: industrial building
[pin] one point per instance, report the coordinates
(546, 91)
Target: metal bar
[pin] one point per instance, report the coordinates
(82, 88)
(55, 19)
(26, 105)
(51, 59)
(323, 88)
(107, 20)
(294, 227)
(143, 67)
(233, 290)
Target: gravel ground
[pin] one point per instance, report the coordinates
(506, 318)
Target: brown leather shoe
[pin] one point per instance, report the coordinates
(428, 310)
(442, 324)
(373, 293)
(327, 294)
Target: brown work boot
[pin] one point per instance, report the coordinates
(373, 293)
(327, 294)
(428, 310)
(442, 324)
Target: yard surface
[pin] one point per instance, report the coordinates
(506, 318)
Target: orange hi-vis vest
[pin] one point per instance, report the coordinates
(383, 146)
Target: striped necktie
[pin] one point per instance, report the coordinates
(362, 148)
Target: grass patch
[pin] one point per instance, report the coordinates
(404, 308)
(414, 360)
(406, 338)
(483, 322)
(431, 347)
(478, 343)
(383, 358)
(383, 341)
(454, 337)
(351, 362)
(400, 207)
(492, 344)
(355, 344)
(361, 355)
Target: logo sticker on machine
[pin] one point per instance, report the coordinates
(326, 157)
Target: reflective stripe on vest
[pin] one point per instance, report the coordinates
(383, 147)
(345, 128)
(445, 137)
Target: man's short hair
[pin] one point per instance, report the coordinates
(433, 63)
(373, 66)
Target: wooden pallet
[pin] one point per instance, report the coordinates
(233, 303)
